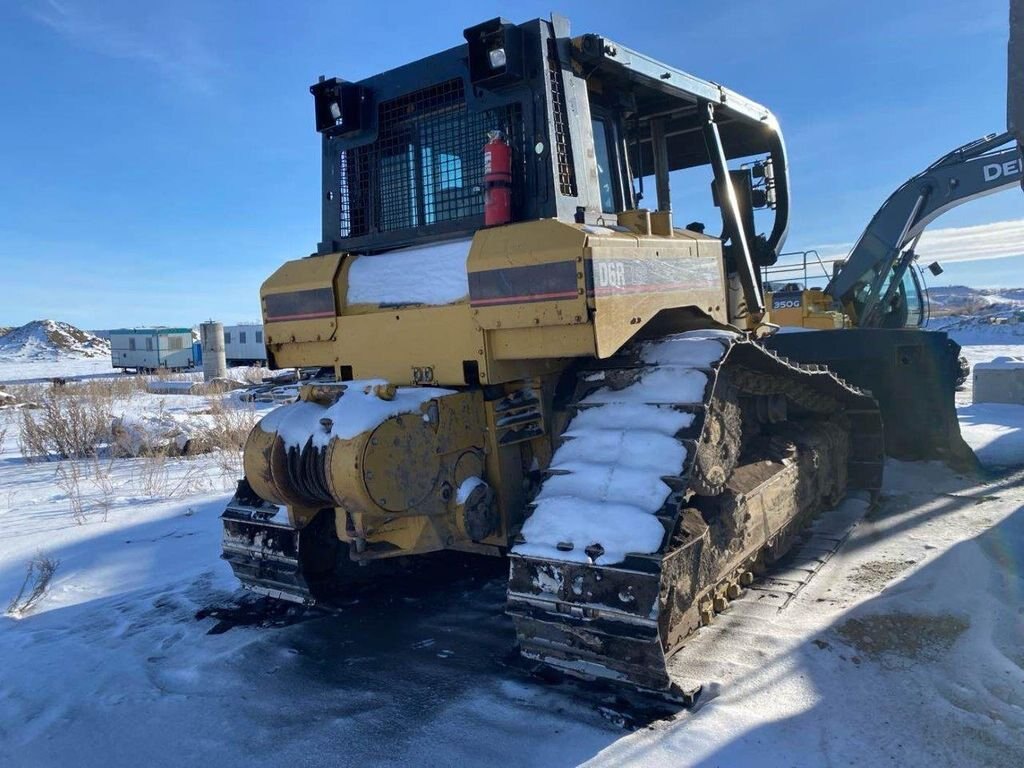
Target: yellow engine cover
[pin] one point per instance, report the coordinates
(809, 308)
(513, 303)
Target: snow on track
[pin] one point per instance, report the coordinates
(607, 483)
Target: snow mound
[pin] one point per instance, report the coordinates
(43, 340)
(995, 432)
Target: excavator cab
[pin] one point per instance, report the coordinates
(905, 306)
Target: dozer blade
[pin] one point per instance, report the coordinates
(768, 445)
(911, 373)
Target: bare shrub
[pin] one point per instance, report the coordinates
(226, 437)
(37, 580)
(103, 483)
(68, 424)
(69, 479)
(3, 436)
(153, 475)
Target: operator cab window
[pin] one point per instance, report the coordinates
(605, 166)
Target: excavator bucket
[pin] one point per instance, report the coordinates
(911, 373)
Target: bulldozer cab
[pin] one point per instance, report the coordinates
(585, 120)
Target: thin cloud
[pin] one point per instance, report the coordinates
(180, 58)
(996, 240)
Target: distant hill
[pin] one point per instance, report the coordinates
(50, 340)
(973, 316)
(5, 329)
(961, 300)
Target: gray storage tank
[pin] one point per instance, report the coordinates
(211, 335)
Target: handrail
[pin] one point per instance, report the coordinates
(806, 265)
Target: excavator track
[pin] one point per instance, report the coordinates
(766, 445)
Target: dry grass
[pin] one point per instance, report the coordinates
(161, 476)
(73, 421)
(165, 375)
(72, 476)
(37, 580)
(74, 425)
(231, 424)
(68, 478)
(152, 475)
(67, 425)
(25, 393)
(112, 390)
(103, 484)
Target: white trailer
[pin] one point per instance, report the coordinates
(151, 349)
(243, 344)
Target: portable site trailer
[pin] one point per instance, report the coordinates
(243, 344)
(150, 349)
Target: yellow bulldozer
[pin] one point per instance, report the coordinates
(517, 359)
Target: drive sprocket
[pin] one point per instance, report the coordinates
(718, 450)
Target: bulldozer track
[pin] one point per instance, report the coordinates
(622, 621)
(815, 436)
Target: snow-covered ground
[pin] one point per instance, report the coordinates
(904, 649)
(992, 429)
(15, 371)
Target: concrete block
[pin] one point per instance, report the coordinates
(1000, 381)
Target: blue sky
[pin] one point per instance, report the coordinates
(159, 160)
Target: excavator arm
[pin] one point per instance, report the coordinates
(870, 285)
(912, 373)
(869, 280)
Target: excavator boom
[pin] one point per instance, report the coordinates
(881, 256)
(912, 372)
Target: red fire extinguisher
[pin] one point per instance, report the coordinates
(497, 180)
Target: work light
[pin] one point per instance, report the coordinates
(495, 53)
